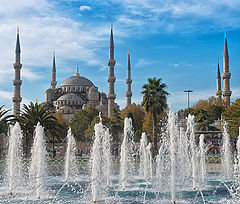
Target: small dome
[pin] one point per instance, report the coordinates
(49, 91)
(93, 89)
(69, 97)
(76, 81)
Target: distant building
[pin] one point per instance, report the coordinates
(76, 92)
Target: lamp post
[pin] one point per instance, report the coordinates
(188, 91)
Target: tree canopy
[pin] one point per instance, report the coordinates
(155, 102)
(81, 120)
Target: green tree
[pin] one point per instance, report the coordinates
(155, 102)
(30, 116)
(137, 114)
(114, 124)
(232, 116)
(81, 120)
(213, 106)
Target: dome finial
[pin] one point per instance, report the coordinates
(77, 74)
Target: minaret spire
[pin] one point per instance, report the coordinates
(128, 82)
(17, 80)
(111, 78)
(226, 75)
(219, 89)
(54, 82)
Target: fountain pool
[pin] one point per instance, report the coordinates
(183, 172)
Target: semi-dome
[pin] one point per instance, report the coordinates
(77, 81)
(93, 89)
(69, 97)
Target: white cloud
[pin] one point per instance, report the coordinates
(85, 8)
(176, 65)
(143, 62)
(182, 15)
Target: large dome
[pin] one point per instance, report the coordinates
(77, 81)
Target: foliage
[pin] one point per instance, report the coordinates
(114, 124)
(213, 106)
(31, 115)
(148, 125)
(5, 119)
(81, 120)
(63, 122)
(205, 112)
(155, 102)
(232, 116)
(137, 114)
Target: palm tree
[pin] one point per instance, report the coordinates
(33, 114)
(155, 102)
(4, 120)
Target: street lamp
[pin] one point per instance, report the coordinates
(188, 91)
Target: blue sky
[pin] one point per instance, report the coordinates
(179, 41)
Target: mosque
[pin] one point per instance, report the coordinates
(76, 92)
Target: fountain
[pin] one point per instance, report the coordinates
(202, 159)
(14, 173)
(71, 169)
(38, 165)
(191, 135)
(100, 162)
(173, 130)
(145, 158)
(227, 165)
(238, 151)
(126, 164)
(180, 173)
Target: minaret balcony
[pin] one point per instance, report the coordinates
(111, 96)
(226, 93)
(111, 79)
(128, 94)
(128, 81)
(17, 65)
(111, 62)
(17, 82)
(219, 92)
(226, 75)
(17, 99)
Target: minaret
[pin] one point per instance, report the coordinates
(111, 78)
(54, 82)
(226, 75)
(219, 89)
(17, 80)
(128, 82)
